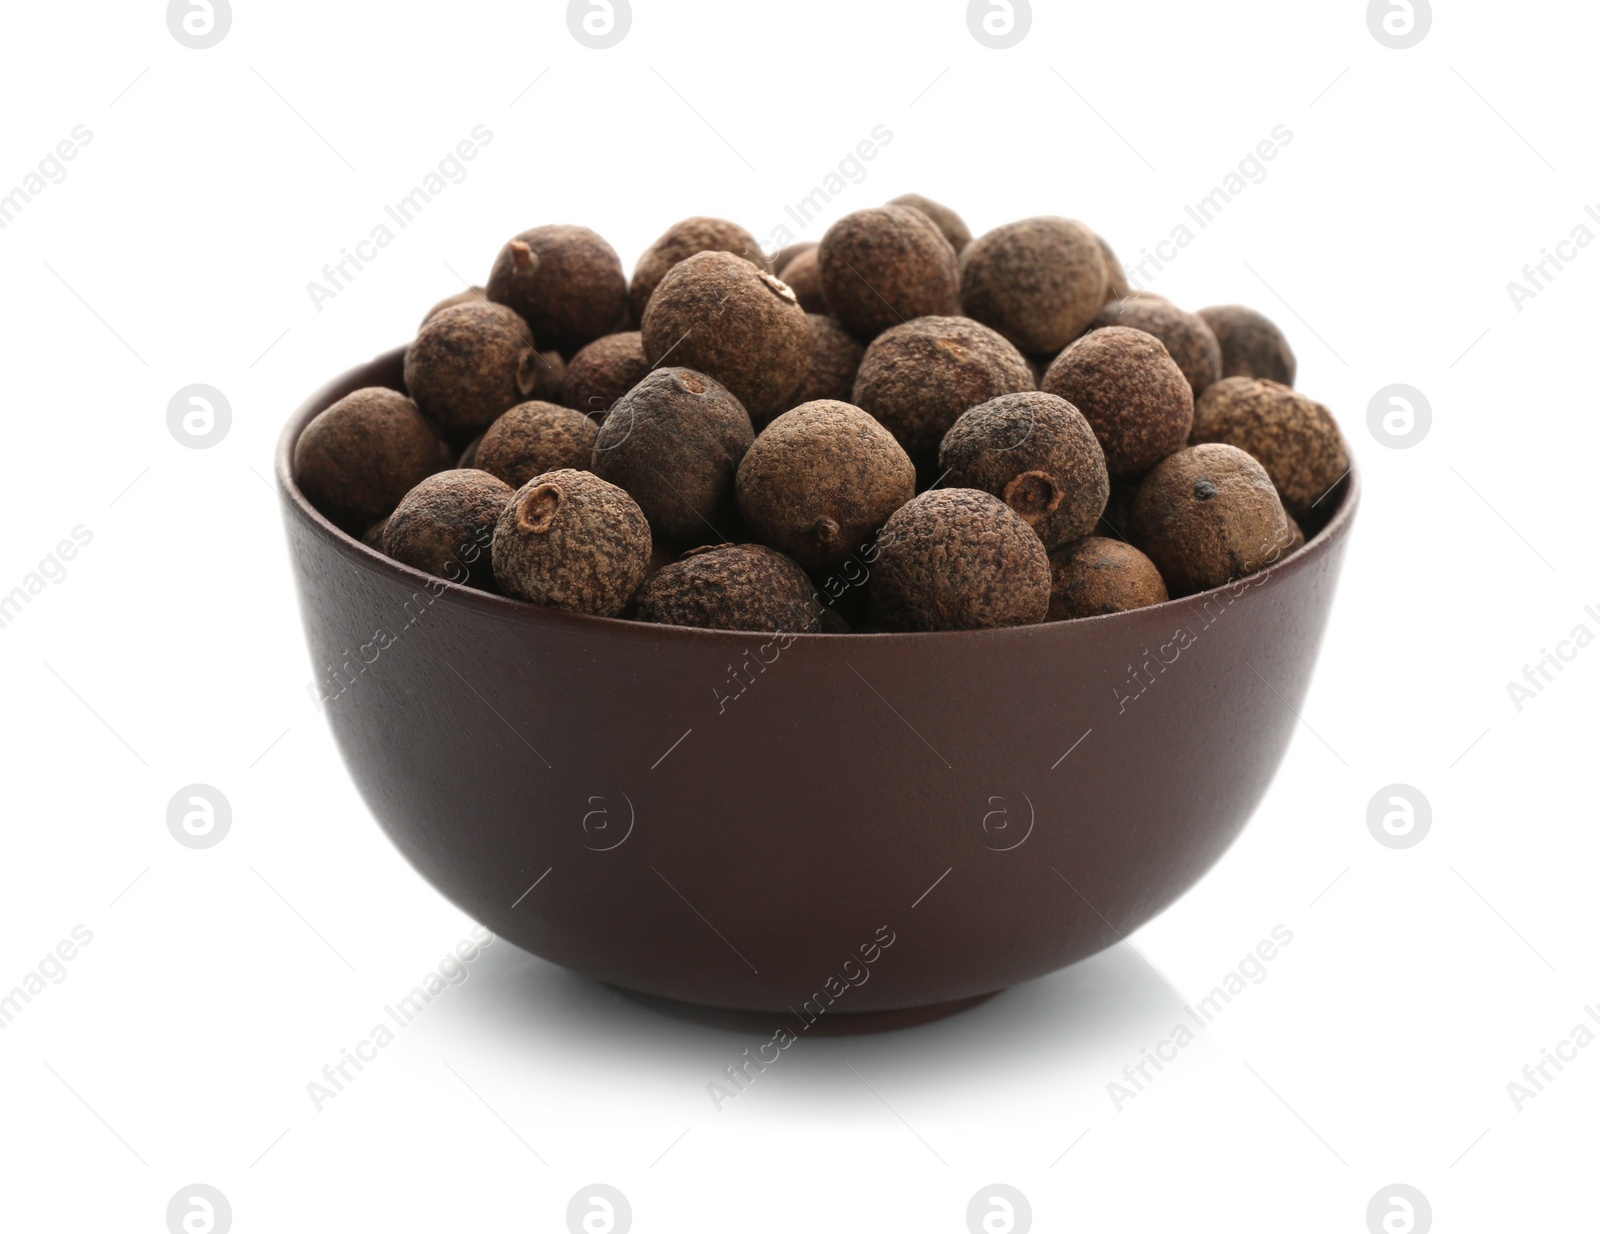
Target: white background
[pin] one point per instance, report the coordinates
(219, 982)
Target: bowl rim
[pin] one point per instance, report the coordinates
(508, 608)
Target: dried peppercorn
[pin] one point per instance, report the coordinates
(720, 315)
(1130, 391)
(565, 281)
(887, 265)
(918, 378)
(603, 372)
(1095, 575)
(469, 363)
(675, 442)
(820, 479)
(1187, 338)
(1039, 282)
(1206, 516)
(731, 587)
(445, 526)
(958, 559)
(1252, 346)
(358, 458)
(533, 438)
(1295, 438)
(700, 234)
(569, 540)
(1038, 454)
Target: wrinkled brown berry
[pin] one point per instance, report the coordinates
(835, 360)
(357, 459)
(1096, 575)
(685, 239)
(820, 479)
(566, 282)
(445, 526)
(804, 276)
(1206, 516)
(551, 378)
(958, 559)
(1039, 282)
(918, 378)
(1131, 392)
(1035, 452)
(468, 364)
(1116, 277)
(533, 438)
(720, 315)
(603, 372)
(569, 540)
(1186, 337)
(1295, 438)
(788, 253)
(887, 265)
(469, 296)
(944, 218)
(731, 587)
(1252, 346)
(674, 442)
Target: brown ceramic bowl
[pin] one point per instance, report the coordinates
(893, 824)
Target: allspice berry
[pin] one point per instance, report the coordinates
(461, 297)
(731, 587)
(445, 526)
(788, 253)
(835, 360)
(820, 480)
(533, 438)
(468, 364)
(603, 372)
(917, 378)
(358, 458)
(1252, 346)
(1039, 282)
(804, 276)
(552, 376)
(958, 559)
(1131, 392)
(887, 265)
(1094, 576)
(719, 315)
(1117, 287)
(565, 281)
(944, 218)
(1037, 453)
(1295, 438)
(1207, 516)
(1186, 337)
(569, 540)
(675, 442)
(684, 239)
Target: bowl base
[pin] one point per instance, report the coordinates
(838, 1025)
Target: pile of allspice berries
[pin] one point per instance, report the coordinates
(898, 428)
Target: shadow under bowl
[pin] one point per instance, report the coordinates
(856, 825)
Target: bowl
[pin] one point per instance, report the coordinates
(873, 828)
